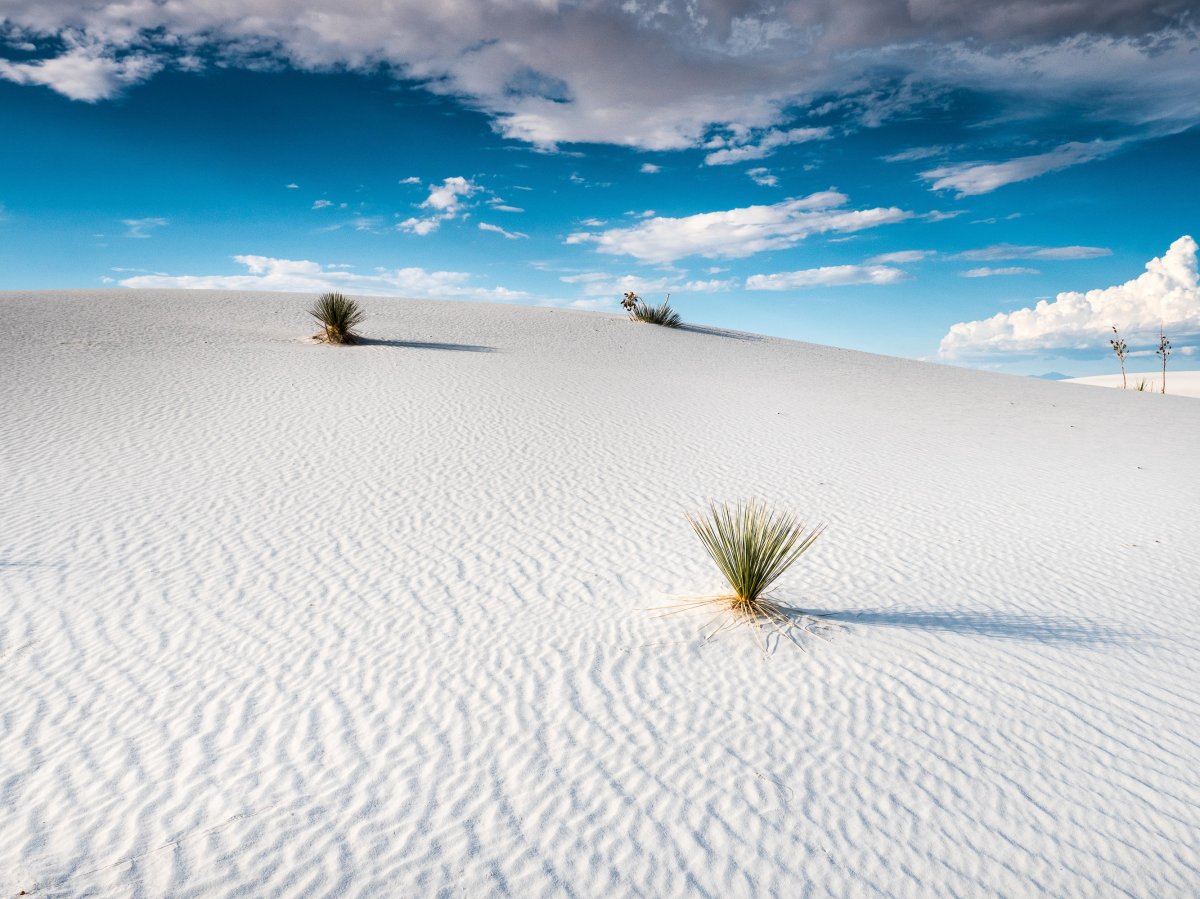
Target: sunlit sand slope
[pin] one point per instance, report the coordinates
(283, 619)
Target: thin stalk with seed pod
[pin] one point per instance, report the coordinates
(1164, 350)
(1120, 349)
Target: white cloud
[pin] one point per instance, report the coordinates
(411, 179)
(504, 207)
(1167, 293)
(650, 75)
(901, 257)
(649, 168)
(826, 276)
(762, 177)
(988, 272)
(445, 202)
(733, 149)
(736, 233)
(303, 276)
(321, 204)
(86, 73)
(971, 178)
(448, 196)
(604, 284)
(1011, 251)
(292, 186)
(420, 226)
(939, 216)
(496, 229)
(143, 227)
(914, 154)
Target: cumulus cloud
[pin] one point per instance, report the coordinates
(86, 73)
(735, 149)
(988, 272)
(736, 233)
(1011, 251)
(762, 177)
(1167, 293)
(649, 168)
(496, 229)
(650, 75)
(143, 228)
(826, 276)
(322, 204)
(445, 203)
(972, 178)
(304, 276)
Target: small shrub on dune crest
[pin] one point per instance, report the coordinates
(339, 316)
(753, 545)
(640, 311)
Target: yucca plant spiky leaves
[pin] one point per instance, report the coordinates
(338, 315)
(752, 545)
(656, 315)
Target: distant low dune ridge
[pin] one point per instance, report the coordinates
(285, 619)
(1179, 383)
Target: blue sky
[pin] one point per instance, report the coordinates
(852, 175)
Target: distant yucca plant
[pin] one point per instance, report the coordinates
(338, 315)
(752, 546)
(640, 311)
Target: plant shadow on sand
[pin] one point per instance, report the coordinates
(720, 332)
(799, 626)
(1001, 625)
(427, 345)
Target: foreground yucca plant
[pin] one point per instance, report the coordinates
(753, 545)
(641, 311)
(338, 315)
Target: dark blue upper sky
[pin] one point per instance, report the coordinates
(914, 188)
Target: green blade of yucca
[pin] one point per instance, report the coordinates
(657, 315)
(337, 313)
(751, 545)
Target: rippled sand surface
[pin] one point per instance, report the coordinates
(282, 619)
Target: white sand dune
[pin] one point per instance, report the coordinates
(282, 619)
(1179, 383)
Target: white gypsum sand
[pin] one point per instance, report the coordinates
(1179, 383)
(285, 619)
